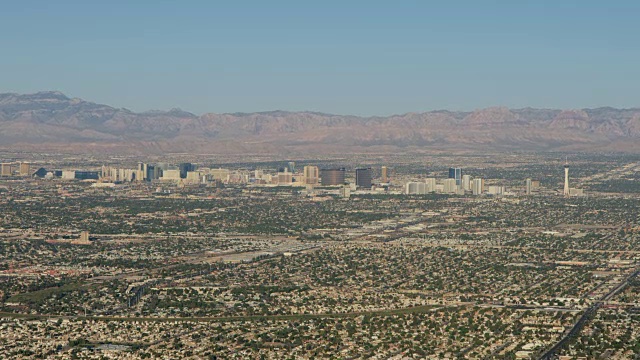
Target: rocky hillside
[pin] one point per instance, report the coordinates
(51, 120)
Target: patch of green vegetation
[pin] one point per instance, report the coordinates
(41, 295)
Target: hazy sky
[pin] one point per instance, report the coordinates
(346, 57)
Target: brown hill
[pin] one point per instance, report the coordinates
(50, 120)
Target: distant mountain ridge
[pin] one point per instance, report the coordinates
(51, 120)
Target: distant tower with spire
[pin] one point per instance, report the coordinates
(566, 177)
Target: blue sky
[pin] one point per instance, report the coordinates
(345, 57)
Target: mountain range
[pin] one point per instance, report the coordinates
(52, 121)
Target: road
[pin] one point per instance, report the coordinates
(577, 327)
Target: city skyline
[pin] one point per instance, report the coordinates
(297, 180)
(240, 254)
(310, 177)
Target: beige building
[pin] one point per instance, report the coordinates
(170, 175)
(194, 177)
(477, 187)
(121, 175)
(415, 188)
(220, 174)
(83, 239)
(345, 192)
(450, 186)
(576, 192)
(68, 174)
(6, 169)
(285, 177)
(431, 185)
(311, 175)
(25, 169)
(466, 182)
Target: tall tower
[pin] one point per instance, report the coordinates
(363, 178)
(566, 178)
(456, 173)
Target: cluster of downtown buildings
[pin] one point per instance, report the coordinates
(456, 183)
(188, 173)
(460, 184)
(309, 176)
(18, 168)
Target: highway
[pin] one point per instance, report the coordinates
(577, 327)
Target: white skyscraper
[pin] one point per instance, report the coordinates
(430, 185)
(566, 179)
(450, 186)
(466, 182)
(415, 188)
(477, 186)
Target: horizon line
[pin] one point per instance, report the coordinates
(58, 92)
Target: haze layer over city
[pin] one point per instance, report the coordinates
(321, 181)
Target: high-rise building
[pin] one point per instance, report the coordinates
(430, 185)
(185, 168)
(450, 186)
(416, 188)
(384, 175)
(311, 175)
(363, 178)
(466, 182)
(138, 175)
(456, 173)
(285, 177)
(566, 180)
(332, 177)
(528, 186)
(6, 169)
(194, 177)
(157, 172)
(25, 169)
(170, 175)
(477, 187)
(146, 171)
(150, 173)
(292, 166)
